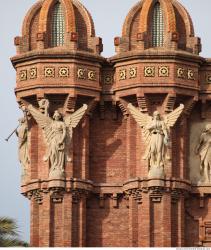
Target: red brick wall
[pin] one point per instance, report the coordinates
(107, 147)
(107, 226)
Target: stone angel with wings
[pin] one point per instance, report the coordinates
(57, 133)
(155, 130)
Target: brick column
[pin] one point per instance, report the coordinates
(85, 148)
(166, 220)
(144, 222)
(45, 219)
(34, 224)
(131, 148)
(133, 223)
(181, 222)
(67, 220)
(82, 222)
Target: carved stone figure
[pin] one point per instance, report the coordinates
(44, 106)
(23, 147)
(156, 134)
(57, 133)
(203, 149)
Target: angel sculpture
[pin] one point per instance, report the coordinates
(156, 135)
(57, 133)
(22, 133)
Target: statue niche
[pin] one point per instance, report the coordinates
(57, 132)
(155, 131)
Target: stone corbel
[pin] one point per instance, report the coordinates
(126, 198)
(57, 195)
(190, 105)
(91, 107)
(142, 103)
(136, 194)
(123, 107)
(156, 194)
(101, 200)
(169, 103)
(76, 196)
(70, 103)
(37, 195)
(115, 201)
(175, 195)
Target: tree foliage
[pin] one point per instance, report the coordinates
(9, 236)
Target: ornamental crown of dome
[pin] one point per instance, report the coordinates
(163, 24)
(63, 24)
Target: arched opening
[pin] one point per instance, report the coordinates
(157, 26)
(57, 26)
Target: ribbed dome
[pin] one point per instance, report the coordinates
(158, 23)
(58, 23)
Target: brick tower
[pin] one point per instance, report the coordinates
(114, 152)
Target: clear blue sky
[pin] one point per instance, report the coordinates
(12, 13)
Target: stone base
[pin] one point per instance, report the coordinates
(156, 172)
(56, 174)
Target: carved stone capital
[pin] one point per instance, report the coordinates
(57, 194)
(156, 194)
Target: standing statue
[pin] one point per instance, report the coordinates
(23, 137)
(203, 149)
(57, 133)
(156, 135)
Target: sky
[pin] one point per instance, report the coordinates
(108, 16)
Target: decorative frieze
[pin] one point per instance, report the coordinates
(149, 71)
(84, 74)
(133, 72)
(63, 72)
(49, 72)
(128, 73)
(122, 74)
(23, 75)
(163, 71)
(32, 73)
(191, 74)
(188, 74)
(181, 73)
(208, 77)
(108, 79)
(81, 73)
(92, 75)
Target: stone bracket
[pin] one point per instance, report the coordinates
(123, 107)
(169, 103)
(70, 104)
(142, 103)
(190, 105)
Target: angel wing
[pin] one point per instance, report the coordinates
(171, 118)
(142, 119)
(43, 121)
(72, 120)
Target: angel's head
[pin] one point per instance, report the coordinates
(208, 128)
(22, 120)
(57, 116)
(156, 115)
